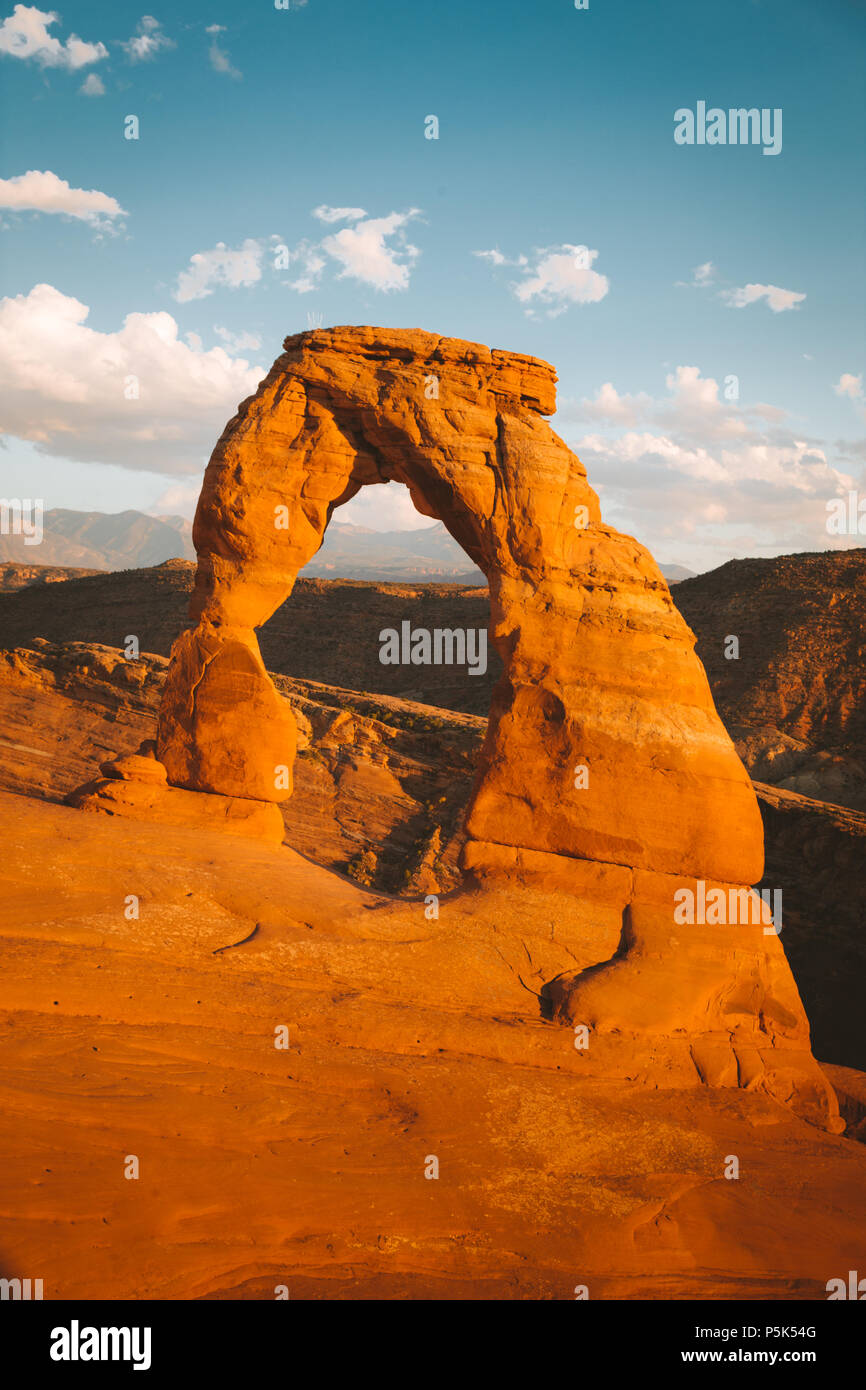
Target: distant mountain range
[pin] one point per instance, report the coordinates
(103, 540)
(356, 552)
(134, 540)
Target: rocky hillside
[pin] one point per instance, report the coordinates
(327, 631)
(794, 699)
(380, 783)
(380, 786)
(14, 576)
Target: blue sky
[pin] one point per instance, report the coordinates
(305, 129)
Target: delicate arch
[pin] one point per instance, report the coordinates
(599, 667)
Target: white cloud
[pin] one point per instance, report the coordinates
(559, 277)
(220, 266)
(373, 250)
(697, 477)
(326, 214)
(313, 263)
(363, 253)
(42, 191)
(147, 41)
(631, 447)
(563, 276)
(610, 405)
(71, 389)
(384, 507)
(850, 385)
(796, 466)
(238, 342)
(92, 86)
(779, 300)
(700, 504)
(702, 276)
(24, 34)
(178, 500)
(220, 61)
(495, 257)
(693, 409)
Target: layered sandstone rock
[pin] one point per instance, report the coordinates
(600, 669)
(406, 1037)
(603, 749)
(136, 785)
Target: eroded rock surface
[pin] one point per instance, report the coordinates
(599, 666)
(603, 748)
(407, 1037)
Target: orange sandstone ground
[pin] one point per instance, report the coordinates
(408, 1038)
(432, 1128)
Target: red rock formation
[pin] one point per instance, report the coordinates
(599, 667)
(599, 673)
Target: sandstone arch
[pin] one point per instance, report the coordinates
(599, 671)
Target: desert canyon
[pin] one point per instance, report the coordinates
(381, 973)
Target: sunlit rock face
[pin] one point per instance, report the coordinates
(600, 671)
(606, 774)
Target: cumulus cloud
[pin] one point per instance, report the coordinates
(695, 408)
(557, 276)
(796, 464)
(238, 342)
(850, 385)
(373, 250)
(495, 257)
(307, 258)
(384, 507)
(24, 34)
(92, 86)
(610, 406)
(702, 276)
(139, 397)
(364, 253)
(147, 41)
(778, 299)
(698, 477)
(219, 58)
(179, 499)
(42, 191)
(633, 447)
(220, 266)
(739, 297)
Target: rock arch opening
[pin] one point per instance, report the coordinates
(391, 705)
(600, 669)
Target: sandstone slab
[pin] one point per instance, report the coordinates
(150, 801)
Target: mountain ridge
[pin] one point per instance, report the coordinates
(132, 539)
